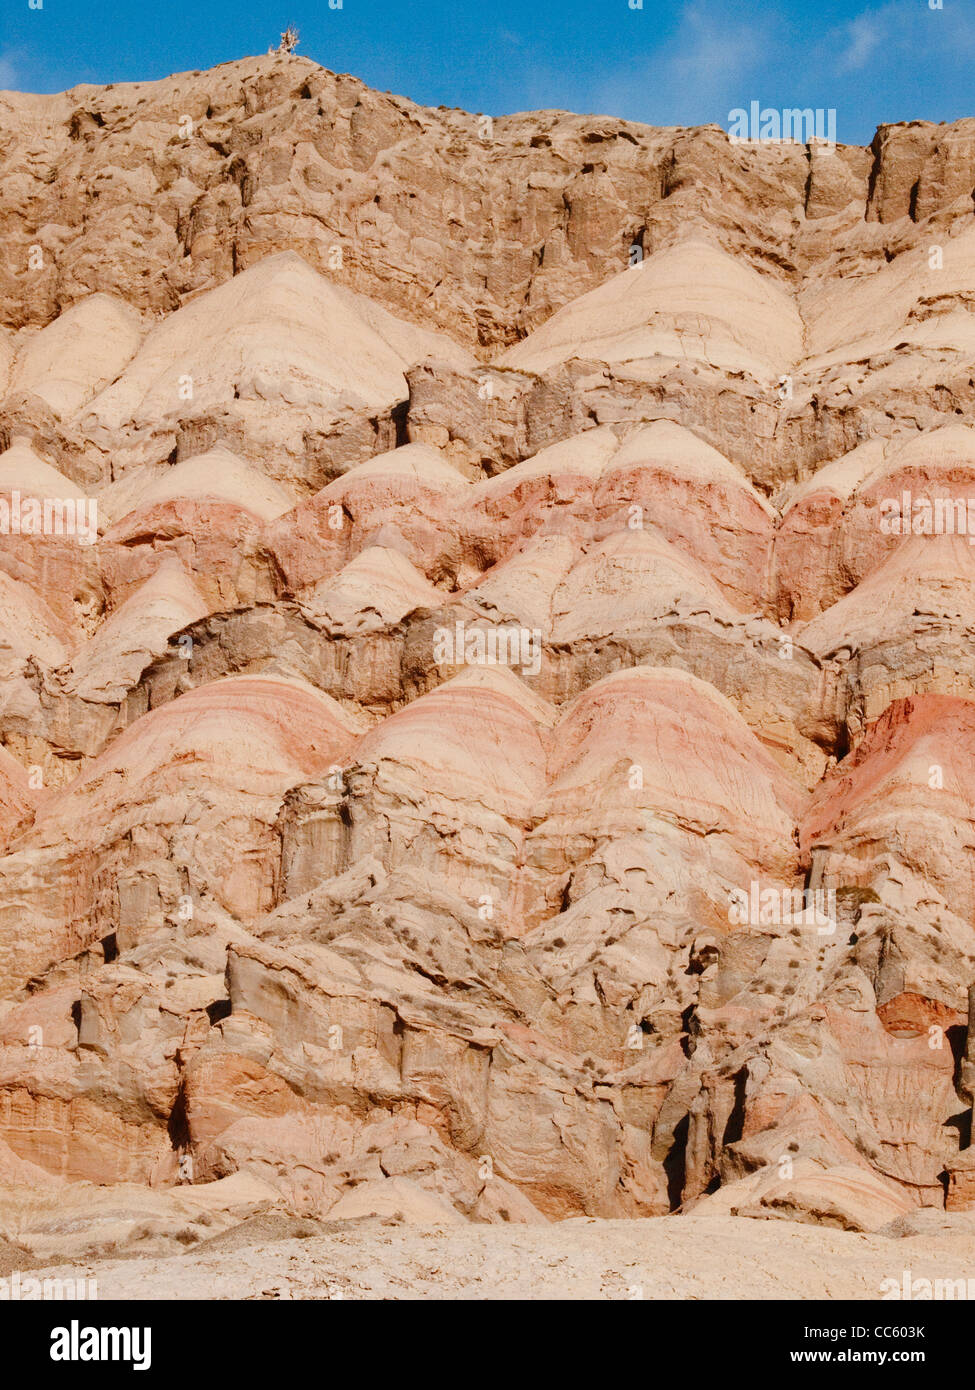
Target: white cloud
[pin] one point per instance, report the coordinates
(863, 35)
(694, 76)
(8, 71)
(879, 63)
(709, 52)
(906, 30)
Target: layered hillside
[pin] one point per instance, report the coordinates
(487, 684)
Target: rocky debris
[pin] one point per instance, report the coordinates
(271, 1255)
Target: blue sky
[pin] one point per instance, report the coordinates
(676, 63)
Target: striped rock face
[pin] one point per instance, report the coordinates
(487, 719)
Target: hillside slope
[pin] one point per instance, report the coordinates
(468, 603)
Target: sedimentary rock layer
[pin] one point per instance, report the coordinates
(486, 681)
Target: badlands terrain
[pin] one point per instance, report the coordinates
(479, 748)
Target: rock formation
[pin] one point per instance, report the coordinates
(487, 695)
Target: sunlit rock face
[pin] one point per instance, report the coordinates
(487, 695)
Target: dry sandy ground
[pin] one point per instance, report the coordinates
(721, 1257)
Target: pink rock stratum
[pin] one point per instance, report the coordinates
(487, 681)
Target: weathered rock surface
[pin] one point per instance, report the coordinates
(485, 727)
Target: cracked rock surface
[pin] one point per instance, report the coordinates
(479, 740)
